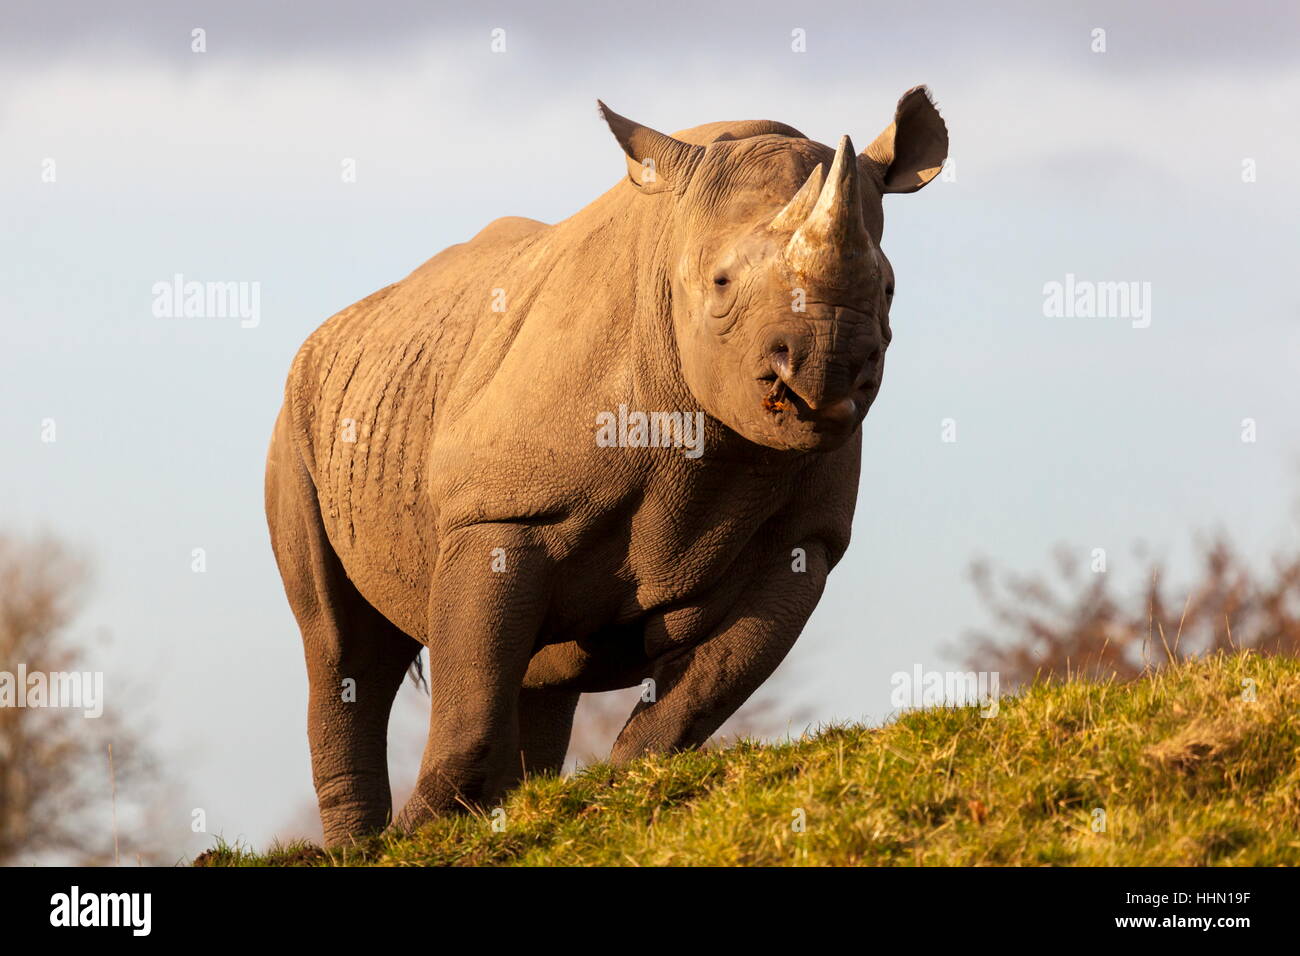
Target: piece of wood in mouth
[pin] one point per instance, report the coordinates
(775, 399)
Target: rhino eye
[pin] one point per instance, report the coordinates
(889, 290)
(720, 281)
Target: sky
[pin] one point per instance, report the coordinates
(1122, 165)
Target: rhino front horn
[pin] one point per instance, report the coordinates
(832, 241)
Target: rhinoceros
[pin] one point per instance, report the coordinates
(618, 450)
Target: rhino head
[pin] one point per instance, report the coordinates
(780, 293)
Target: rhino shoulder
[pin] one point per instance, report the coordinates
(507, 230)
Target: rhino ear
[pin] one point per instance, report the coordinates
(911, 150)
(654, 161)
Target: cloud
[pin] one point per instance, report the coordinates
(500, 126)
(1199, 35)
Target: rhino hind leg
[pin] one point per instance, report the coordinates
(356, 658)
(545, 724)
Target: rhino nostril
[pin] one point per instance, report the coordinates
(780, 359)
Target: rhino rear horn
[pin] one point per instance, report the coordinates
(654, 161)
(801, 206)
(833, 237)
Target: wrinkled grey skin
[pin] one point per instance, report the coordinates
(434, 478)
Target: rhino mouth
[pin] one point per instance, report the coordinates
(783, 403)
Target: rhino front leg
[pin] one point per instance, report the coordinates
(490, 595)
(698, 687)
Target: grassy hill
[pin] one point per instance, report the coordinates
(1186, 770)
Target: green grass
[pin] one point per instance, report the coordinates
(1186, 770)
